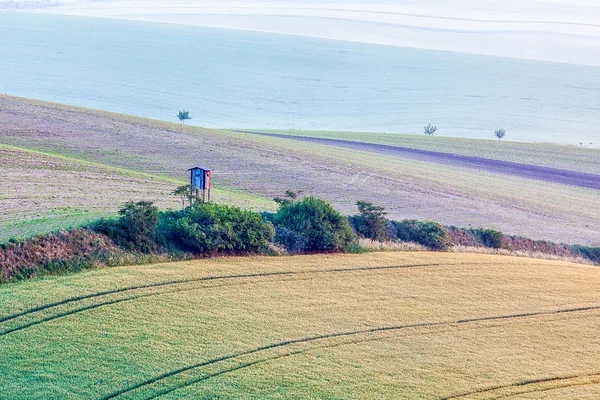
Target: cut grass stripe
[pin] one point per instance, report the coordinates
(343, 334)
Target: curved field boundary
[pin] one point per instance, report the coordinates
(171, 283)
(532, 382)
(530, 171)
(344, 334)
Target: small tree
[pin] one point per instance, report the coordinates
(134, 230)
(430, 129)
(499, 133)
(371, 221)
(427, 233)
(183, 115)
(184, 192)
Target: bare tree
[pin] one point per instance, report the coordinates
(499, 133)
(430, 129)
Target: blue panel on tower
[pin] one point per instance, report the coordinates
(198, 179)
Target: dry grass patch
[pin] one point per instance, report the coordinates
(374, 245)
(517, 253)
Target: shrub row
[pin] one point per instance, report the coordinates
(55, 253)
(202, 229)
(370, 223)
(307, 225)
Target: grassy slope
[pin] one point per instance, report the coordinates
(161, 329)
(456, 196)
(581, 159)
(43, 192)
(266, 167)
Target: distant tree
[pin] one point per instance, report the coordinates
(184, 192)
(500, 133)
(430, 129)
(183, 115)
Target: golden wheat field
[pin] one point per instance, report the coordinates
(379, 325)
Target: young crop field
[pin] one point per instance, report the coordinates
(379, 325)
(42, 193)
(254, 169)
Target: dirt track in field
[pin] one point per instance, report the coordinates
(547, 174)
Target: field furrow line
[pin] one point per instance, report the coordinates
(263, 360)
(167, 284)
(233, 369)
(350, 333)
(561, 386)
(529, 383)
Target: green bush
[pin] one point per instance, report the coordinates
(210, 228)
(488, 237)
(316, 223)
(370, 223)
(134, 230)
(294, 242)
(587, 252)
(427, 233)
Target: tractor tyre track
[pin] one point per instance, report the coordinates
(528, 383)
(171, 283)
(345, 334)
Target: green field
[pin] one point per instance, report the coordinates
(379, 325)
(254, 169)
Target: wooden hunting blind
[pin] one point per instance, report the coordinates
(200, 181)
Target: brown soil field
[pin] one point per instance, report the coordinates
(257, 166)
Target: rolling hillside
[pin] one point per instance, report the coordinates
(264, 167)
(384, 325)
(43, 192)
(583, 158)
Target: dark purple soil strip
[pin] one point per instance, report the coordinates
(547, 174)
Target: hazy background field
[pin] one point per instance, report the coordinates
(233, 78)
(551, 30)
